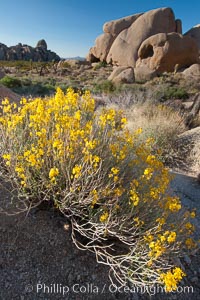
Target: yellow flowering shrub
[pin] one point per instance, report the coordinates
(103, 177)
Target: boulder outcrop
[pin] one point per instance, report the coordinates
(122, 38)
(42, 44)
(192, 71)
(167, 52)
(116, 26)
(104, 42)
(101, 48)
(122, 75)
(124, 50)
(25, 52)
(150, 43)
(195, 34)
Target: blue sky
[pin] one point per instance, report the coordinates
(71, 26)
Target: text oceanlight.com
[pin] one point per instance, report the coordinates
(90, 288)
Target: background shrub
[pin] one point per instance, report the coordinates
(11, 82)
(105, 86)
(173, 92)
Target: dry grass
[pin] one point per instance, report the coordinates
(159, 122)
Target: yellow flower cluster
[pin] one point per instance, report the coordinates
(172, 278)
(114, 174)
(173, 204)
(158, 247)
(76, 171)
(190, 243)
(7, 158)
(104, 217)
(53, 173)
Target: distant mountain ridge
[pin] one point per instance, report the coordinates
(75, 58)
(26, 52)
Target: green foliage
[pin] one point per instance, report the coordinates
(42, 90)
(25, 65)
(27, 87)
(173, 93)
(11, 82)
(101, 64)
(105, 86)
(66, 64)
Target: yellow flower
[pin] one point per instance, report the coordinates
(178, 274)
(5, 102)
(151, 159)
(57, 144)
(149, 238)
(114, 172)
(172, 278)
(77, 115)
(138, 131)
(104, 217)
(6, 156)
(123, 121)
(161, 221)
(172, 237)
(23, 101)
(76, 171)
(190, 243)
(190, 227)
(148, 172)
(23, 183)
(173, 204)
(162, 238)
(53, 173)
(193, 214)
(138, 221)
(157, 247)
(95, 161)
(134, 197)
(118, 191)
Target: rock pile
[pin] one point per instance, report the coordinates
(25, 52)
(150, 43)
